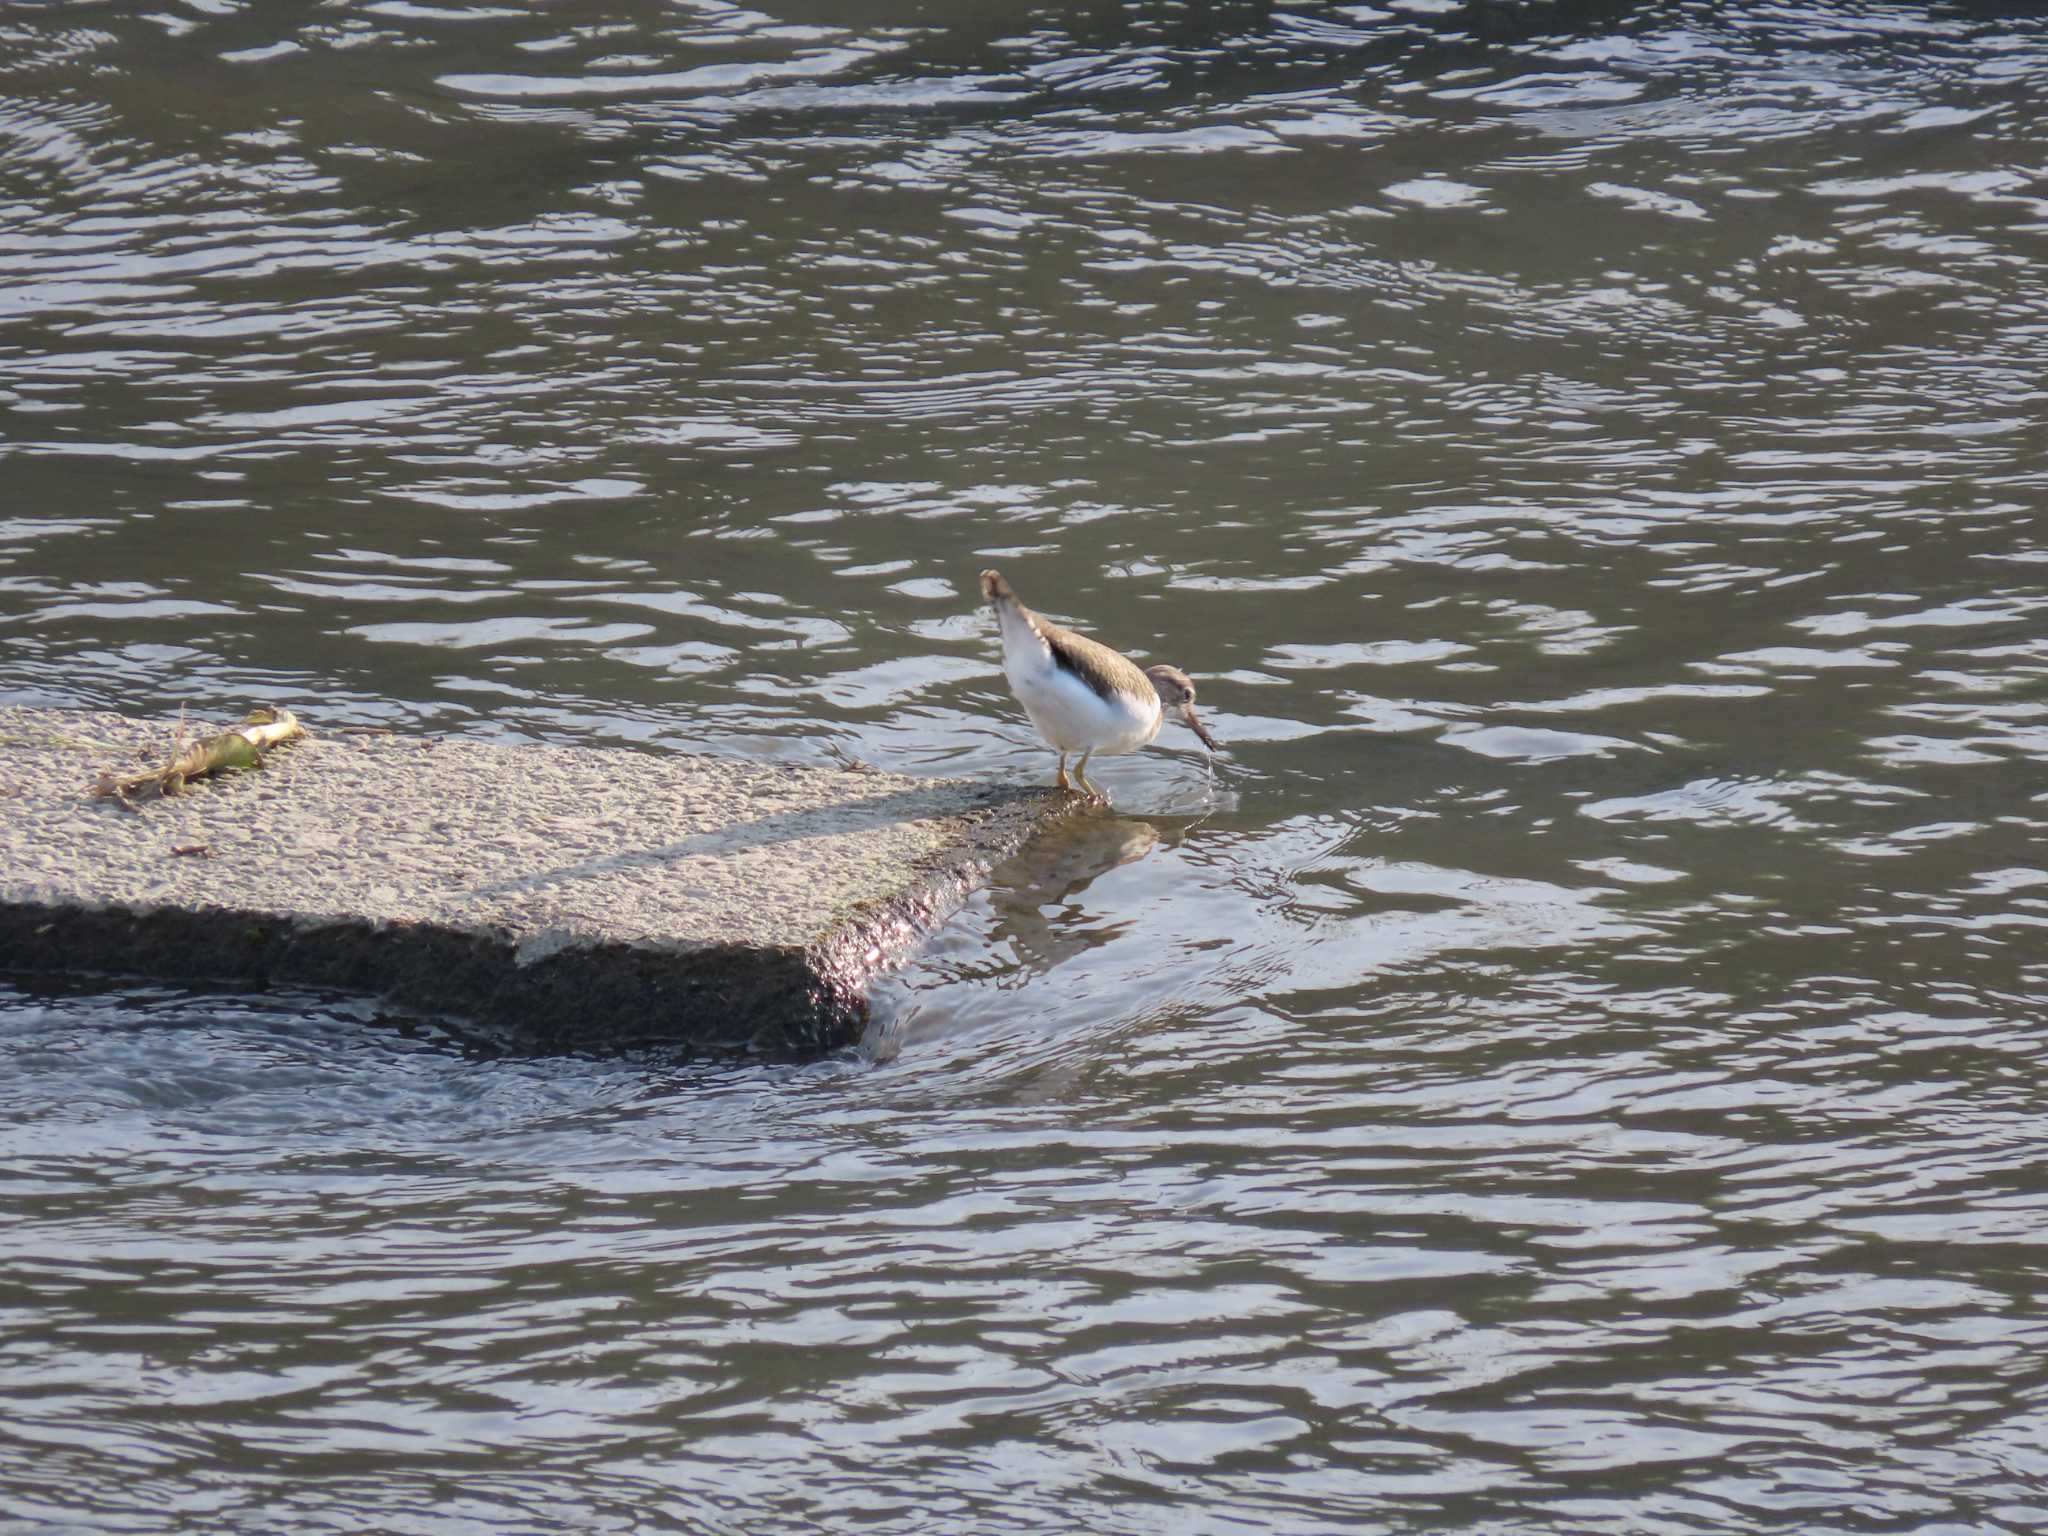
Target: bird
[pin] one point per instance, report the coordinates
(1081, 695)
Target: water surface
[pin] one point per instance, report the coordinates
(1578, 1064)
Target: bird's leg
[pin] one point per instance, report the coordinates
(1088, 784)
(1064, 784)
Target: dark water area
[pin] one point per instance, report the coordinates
(1578, 1066)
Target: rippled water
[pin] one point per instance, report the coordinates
(1579, 1065)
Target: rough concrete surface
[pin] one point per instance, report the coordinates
(578, 895)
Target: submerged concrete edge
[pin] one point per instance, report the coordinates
(596, 995)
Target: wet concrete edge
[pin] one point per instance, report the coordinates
(783, 1002)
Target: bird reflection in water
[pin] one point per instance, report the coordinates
(1032, 922)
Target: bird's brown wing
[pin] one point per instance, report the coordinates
(1103, 670)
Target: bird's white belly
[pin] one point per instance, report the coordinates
(1075, 718)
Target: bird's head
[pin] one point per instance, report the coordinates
(1176, 691)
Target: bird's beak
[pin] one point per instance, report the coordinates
(1187, 713)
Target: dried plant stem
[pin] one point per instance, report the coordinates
(230, 750)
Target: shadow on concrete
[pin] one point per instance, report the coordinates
(903, 806)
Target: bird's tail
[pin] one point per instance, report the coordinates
(1012, 617)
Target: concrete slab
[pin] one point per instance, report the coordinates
(580, 896)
